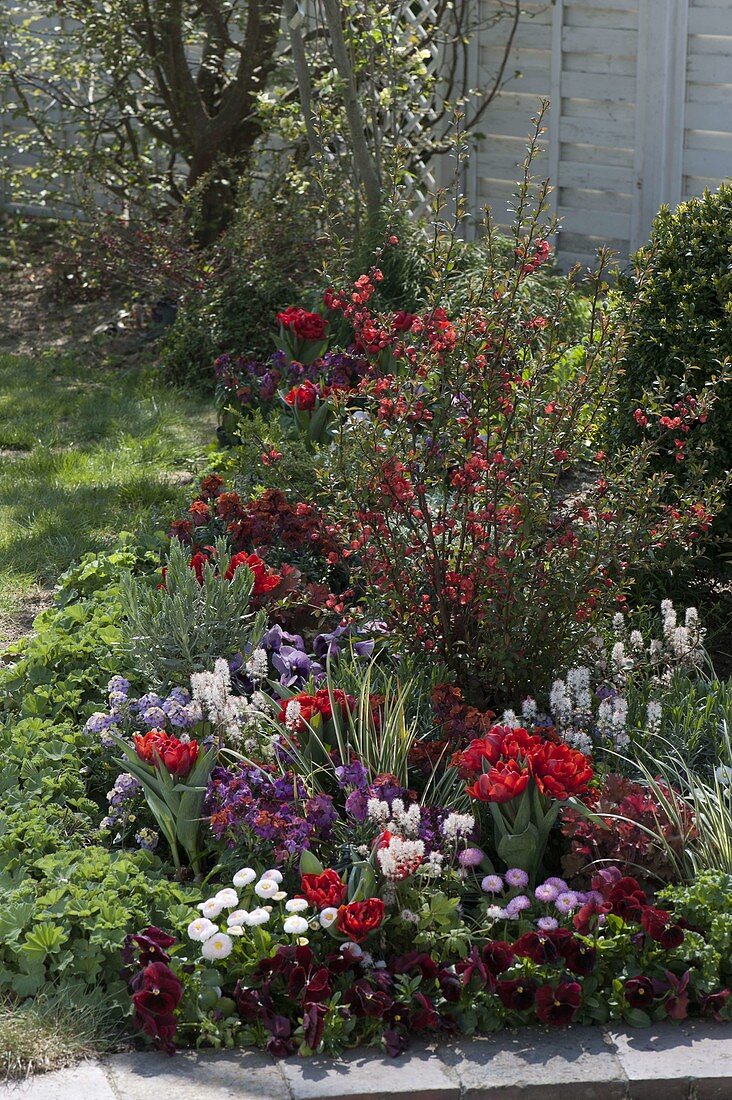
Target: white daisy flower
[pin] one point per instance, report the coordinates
(328, 916)
(257, 916)
(218, 947)
(235, 930)
(245, 877)
(296, 905)
(266, 888)
(351, 950)
(239, 916)
(211, 908)
(228, 898)
(273, 873)
(201, 929)
(295, 926)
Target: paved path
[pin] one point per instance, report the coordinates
(690, 1062)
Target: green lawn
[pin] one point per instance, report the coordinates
(85, 452)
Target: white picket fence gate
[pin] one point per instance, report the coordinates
(641, 115)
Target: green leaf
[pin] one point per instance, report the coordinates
(44, 939)
(638, 1018)
(520, 849)
(361, 882)
(310, 864)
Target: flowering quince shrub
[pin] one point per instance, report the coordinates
(478, 509)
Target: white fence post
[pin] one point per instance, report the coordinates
(662, 48)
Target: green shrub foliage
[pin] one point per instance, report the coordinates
(679, 317)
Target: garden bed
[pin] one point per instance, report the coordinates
(375, 744)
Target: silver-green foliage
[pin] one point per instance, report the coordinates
(183, 627)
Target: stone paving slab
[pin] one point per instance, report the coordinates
(690, 1062)
(693, 1060)
(533, 1062)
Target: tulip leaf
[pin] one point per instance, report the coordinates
(520, 849)
(310, 864)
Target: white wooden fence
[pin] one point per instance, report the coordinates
(641, 114)
(641, 94)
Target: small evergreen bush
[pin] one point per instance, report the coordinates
(679, 319)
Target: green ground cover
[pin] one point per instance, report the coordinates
(83, 455)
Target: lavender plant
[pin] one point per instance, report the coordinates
(185, 624)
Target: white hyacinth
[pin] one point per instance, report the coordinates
(257, 666)
(560, 704)
(653, 716)
(457, 825)
(401, 857)
(212, 691)
(529, 709)
(379, 812)
(407, 821)
(293, 712)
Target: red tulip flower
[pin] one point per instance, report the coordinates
(157, 747)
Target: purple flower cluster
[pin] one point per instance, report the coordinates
(354, 778)
(290, 659)
(253, 382)
(175, 711)
(246, 801)
(554, 892)
(126, 787)
(296, 667)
